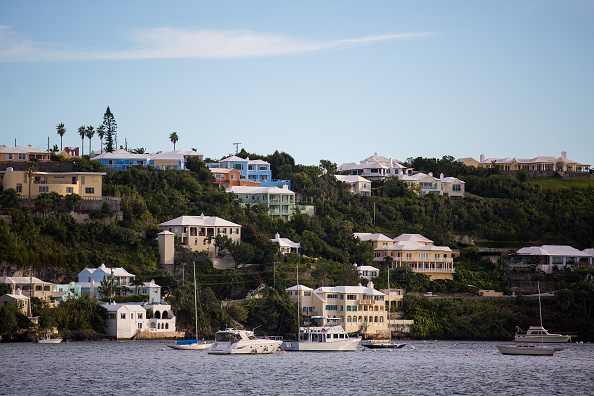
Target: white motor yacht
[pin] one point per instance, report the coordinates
(540, 334)
(330, 337)
(526, 349)
(234, 341)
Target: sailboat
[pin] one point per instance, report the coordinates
(529, 349)
(192, 344)
(389, 344)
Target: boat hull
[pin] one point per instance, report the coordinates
(531, 350)
(191, 347)
(383, 346)
(244, 347)
(333, 346)
(549, 338)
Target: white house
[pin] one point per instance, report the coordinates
(199, 232)
(126, 320)
(367, 271)
(286, 245)
(549, 257)
(280, 200)
(375, 167)
(359, 185)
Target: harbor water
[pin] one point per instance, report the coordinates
(420, 368)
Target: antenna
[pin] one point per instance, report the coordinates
(236, 147)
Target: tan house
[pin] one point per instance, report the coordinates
(359, 185)
(469, 161)
(23, 154)
(358, 307)
(419, 254)
(540, 163)
(85, 184)
(29, 286)
(18, 298)
(198, 233)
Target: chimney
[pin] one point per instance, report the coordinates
(564, 155)
(482, 157)
(441, 176)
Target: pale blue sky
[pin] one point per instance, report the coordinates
(336, 80)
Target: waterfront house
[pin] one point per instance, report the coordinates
(550, 257)
(419, 254)
(359, 185)
(286, 245)
(63, 292)
(198, 233)
(375, 167)
(19, 299)
(280, 200)
(360, 308)
(30, 286)
(126, 320)
(23, 154)
(85, 184)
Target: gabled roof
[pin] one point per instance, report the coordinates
(19, 280)
(368, 290)
(352, 178)
(21, 150)
(234, 158)
(298, 287)
(406, 246)
(552, 250)
(366, 268)
(201, 220)
(412, 238)
(285, 242)
(367, 236)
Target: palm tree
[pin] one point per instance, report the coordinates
(101, 133)
(173, 137)
(82, 131)
(89, 132)
(61, 131)
(30, 170)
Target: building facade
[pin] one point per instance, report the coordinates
(198, 233)
(280, 200)
(23, 154)
(359, 185)
(375, 167)
(548, 258)
(85, 184)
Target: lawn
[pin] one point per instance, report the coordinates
(557, 183)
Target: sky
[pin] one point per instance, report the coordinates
(332, 80)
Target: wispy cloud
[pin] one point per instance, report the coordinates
(173, 43)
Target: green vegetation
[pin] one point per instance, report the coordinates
(557, 183)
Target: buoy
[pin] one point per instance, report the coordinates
(283, 352)
(466, 354)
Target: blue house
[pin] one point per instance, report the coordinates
(122, 160)
(251, 170)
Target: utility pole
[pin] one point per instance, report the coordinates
(236, 148)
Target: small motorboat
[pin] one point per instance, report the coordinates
(190, 345)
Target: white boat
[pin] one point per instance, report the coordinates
(529, 349)
(192, 345)
(526, 349)
(540, 334)
(47, 339)
(330, 337)
(235, 341)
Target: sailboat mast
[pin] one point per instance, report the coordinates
(539, 306)
(298, 297)
(195, 303)
(389, 306)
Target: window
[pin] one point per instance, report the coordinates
(263, 167)
(89, 190)
(193, 231)
(82, 180)
(233, 177)
(307, 294)
(457, 187)
(251, 167)
(351, 296)
(218, 176)
(19, 188)
(332, 296)
(43, 189)
(140, 325)
(123, 316)
(9, 156)
(409, 256)
(423, 256)
(238, 166)
(22, 157)
(69, 190)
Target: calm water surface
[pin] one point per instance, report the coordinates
(431, 368)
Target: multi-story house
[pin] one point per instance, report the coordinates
(549, 257)
(280, 200)
(358, 307)
(359, 185)
(122, 160)
(125, 321)
(375, 167)
(540, 163)
(227, 177)
(426, 183)
(64, 292)
(22, 302)
(85, 184)
(419, 254)
(30, 286)
(250, 170)
(198, 233)
(23, 154)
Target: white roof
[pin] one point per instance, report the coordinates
(352, 179)
(367, 236)
(404, 246)
(234, 158)
(298, 287)
(122, 154)
(22, 280)
(209, 221)
(412, 238)
(416, 177)
(366, 268)
(21, 150)
(222, 170)
(113, 307)
(258, 190)
(552, 250)
(369, 290)
(116, 271)
(285, 242)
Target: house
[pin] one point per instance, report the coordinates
(30, 286)
(359, 308)
(63, 292)
(540, 163)
(375, 167)
(198, 233)
(366, 271)
(425, 183)
(550, 257)
(468, 161)
(122, 159)
(250, 170)
(286, 245)
(85, 184)
(23, 154)
(359, 185)
(280, 200)
(451, 186)
(90, 280)
(227, 177)
(419, 254)
(18, 298)
(376, 239)
(151, 289)
(126, 320)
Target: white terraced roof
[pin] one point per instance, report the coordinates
(201, 220)
(258, 190)
(552, 250)
(412, 238)
(367, 236)
(352, 178)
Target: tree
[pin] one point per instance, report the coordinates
(30, 170)
(72, 201)
(61, 131)
(174, 138)
(82, 131)
(110, 127)
(89, 132)
(106, 287)
(101, 133)
(10, 199)
(44, 203)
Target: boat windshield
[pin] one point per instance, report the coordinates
(227, 337)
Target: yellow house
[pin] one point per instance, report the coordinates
(85, 184)
(358, 307)
(469, 161)
(419, 254)
(376, 239)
